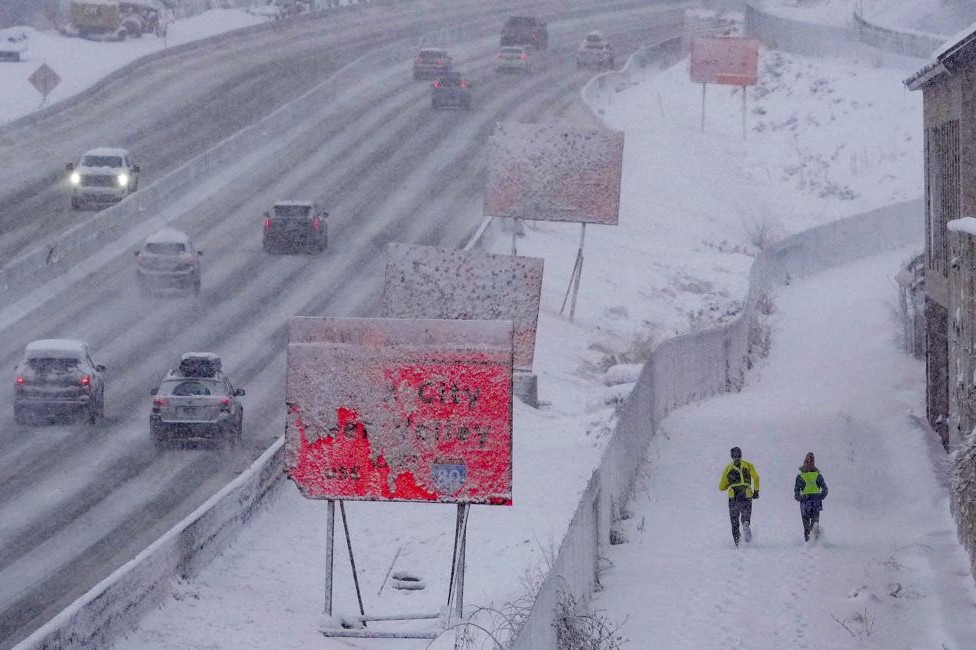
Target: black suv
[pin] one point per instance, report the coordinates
(525, 30)
(196, 403)
(58, 376)
(450, 91)
(295, 224)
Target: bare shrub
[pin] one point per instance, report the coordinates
(577, 628)
(761, 229)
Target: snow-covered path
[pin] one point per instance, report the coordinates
(888, 572)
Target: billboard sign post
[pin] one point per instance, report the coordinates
(553, 172)
(726, 61)
(399, 410)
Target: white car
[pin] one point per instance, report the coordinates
(168, 260)
(103, 176)
(594, 51)
(516, 58)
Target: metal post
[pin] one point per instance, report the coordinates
(703, 109)
(454, 554)
(515, 228)
(329, 553)
(352, 560)
(579, 272)
(743, 112)
(460, 574)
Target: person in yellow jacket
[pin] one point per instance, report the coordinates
(741, 480)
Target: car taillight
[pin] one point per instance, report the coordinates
(523, 56)
(85, 380)
(20, 381)
(267, 222)
(439, 61)
(225, 404)
(463, 85)
(316, 223)
(437, 84)
(158, 402)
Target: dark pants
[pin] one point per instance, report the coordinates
(810, 514)
(739, 508)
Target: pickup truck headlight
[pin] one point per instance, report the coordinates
(75, 178)
(123, 180)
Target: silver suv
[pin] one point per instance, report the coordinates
(168, 260)
(57, 377)
(195, 402)
(102, 177)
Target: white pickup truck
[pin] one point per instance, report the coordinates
(13, 42)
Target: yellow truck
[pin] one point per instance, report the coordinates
(114, 20)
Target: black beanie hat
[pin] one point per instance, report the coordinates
(736, 452)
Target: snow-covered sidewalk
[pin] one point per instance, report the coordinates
(888, 572)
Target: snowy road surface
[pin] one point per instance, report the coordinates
(888, 571)
(78, 501)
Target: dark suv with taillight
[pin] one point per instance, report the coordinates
(431, 62)
(294, 225)
(168, 260)
(450, 91)
(58, 377)
(196, 402)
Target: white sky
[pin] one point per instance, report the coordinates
(826, 139)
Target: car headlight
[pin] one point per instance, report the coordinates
(75, 178)
(123, 180)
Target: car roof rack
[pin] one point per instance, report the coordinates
(199, 364)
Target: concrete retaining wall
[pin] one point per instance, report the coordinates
(113, 605)
(813, 39)
(687, 369)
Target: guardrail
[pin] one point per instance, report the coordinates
(801, 37)
(905, 42)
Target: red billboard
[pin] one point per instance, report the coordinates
(722, 60)
(400, 409)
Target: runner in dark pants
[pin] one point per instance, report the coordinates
(741, 480)
(810, 489)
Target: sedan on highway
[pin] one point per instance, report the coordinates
(431, 62)
(196, 402)
(168, 260)
(450, 91)
(58, 377)
(516, 58)
(594, 51)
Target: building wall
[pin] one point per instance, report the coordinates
(950, 193)
(941, 116)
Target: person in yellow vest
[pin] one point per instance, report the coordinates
(810, 490)
(741, 480)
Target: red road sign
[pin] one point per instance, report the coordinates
(728, 61)
(44, 79)
(400, 409)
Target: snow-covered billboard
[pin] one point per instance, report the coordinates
(552, 172)
(400, 409)
(724, 60)
(446, 283)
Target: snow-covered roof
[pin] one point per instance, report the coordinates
(168, 236)
(966, 225)
(56, 349)
(304, 204)
(936, 66)
(107, 151)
